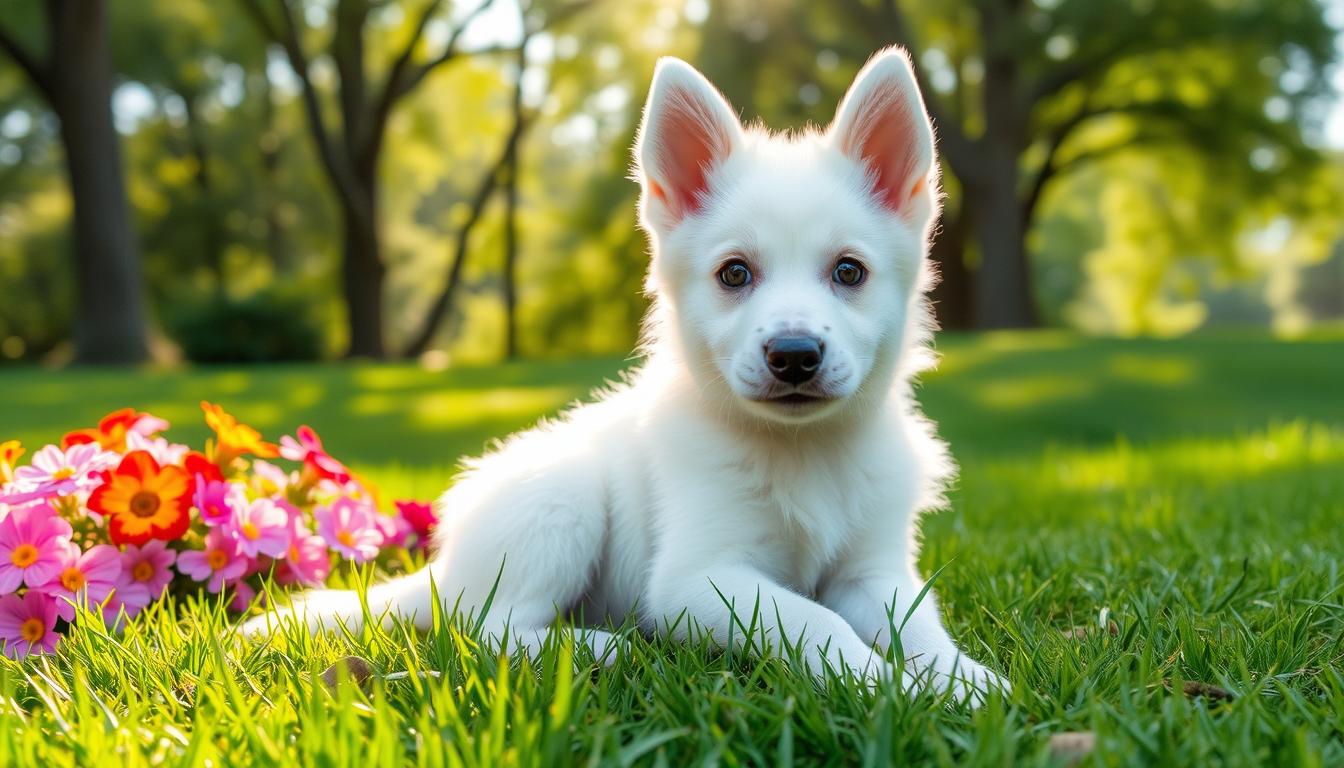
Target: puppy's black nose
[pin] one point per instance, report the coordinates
(793, 359)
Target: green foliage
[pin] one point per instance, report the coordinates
(1219, 102)
(1130, 515)
(266, 326)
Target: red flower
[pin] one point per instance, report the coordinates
(197, 464)
(143, 501)
(308, 449)
(111, 431)
(421, 517)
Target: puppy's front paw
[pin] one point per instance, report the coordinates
(968, 681)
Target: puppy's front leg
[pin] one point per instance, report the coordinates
(876, 589)
(712, 595)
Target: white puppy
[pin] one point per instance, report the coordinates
(769, 452)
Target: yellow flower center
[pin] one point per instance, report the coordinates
(216, 559)
(32, 630)
(345, 538)
(72, 579)
(145, 504)
(143, 571)
(24, 555)
(64, 473)
(293, 552)
(250, 531)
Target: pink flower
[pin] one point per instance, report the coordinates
(149, 566)
(32, 542)
(307, 562)
(28, 624)
(146, 572)
(421, 517)
(217, 500)
(308, 449)
(268, 479)
(124, 601)
(164, 452)
(243, 595)
(220, 562)
(85, 578)
(349, 528)
(393, 528)
(260, 528)
(55, 472)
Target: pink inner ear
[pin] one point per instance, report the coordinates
(885, 134)
(689, 144)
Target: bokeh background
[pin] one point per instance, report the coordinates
(259, 180)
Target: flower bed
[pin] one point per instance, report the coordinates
(117, 516)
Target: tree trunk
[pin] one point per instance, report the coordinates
(511, 258)
(1003, 280)
(952, 296)
(213, 234)
(362, 275)
(1002, 286)
(270, 184)
(110, 309)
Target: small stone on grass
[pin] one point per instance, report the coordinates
(358, 670)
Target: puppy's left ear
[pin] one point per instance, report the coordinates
(882, 124)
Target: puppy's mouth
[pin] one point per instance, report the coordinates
(794, 400)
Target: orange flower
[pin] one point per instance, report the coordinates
(111, 431)
(235, 439)
(10, 451)
(143, 501)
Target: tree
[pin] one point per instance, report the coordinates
(350, 155)
(1023, 92)
(74, 78)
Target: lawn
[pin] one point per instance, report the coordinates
(1131, 516)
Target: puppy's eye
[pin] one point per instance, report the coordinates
(735, 274)
(848, 273)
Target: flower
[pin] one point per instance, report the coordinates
(269, 480)
(393, 529)
(307, 561)
(219, 562)
(10, 451)
(197, 465)
(56, 472)
(260, 528)
(111, 431)
(243, 595)
(163, 451)
(28, 624)
(149, 566)
(84, 576)
(308, 449)
(145, 501)
(32, 542)
(123, 601)
(349, 528)
(217, 500)
(234, 439)
(421, 517)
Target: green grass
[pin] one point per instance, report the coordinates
(1130, 515)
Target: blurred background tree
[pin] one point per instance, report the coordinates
(67, 63)
(316, 178)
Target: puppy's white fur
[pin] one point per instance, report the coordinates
(688, 489)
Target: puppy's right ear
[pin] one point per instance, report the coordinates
(688, 129)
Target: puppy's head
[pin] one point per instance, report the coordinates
(789, 269)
